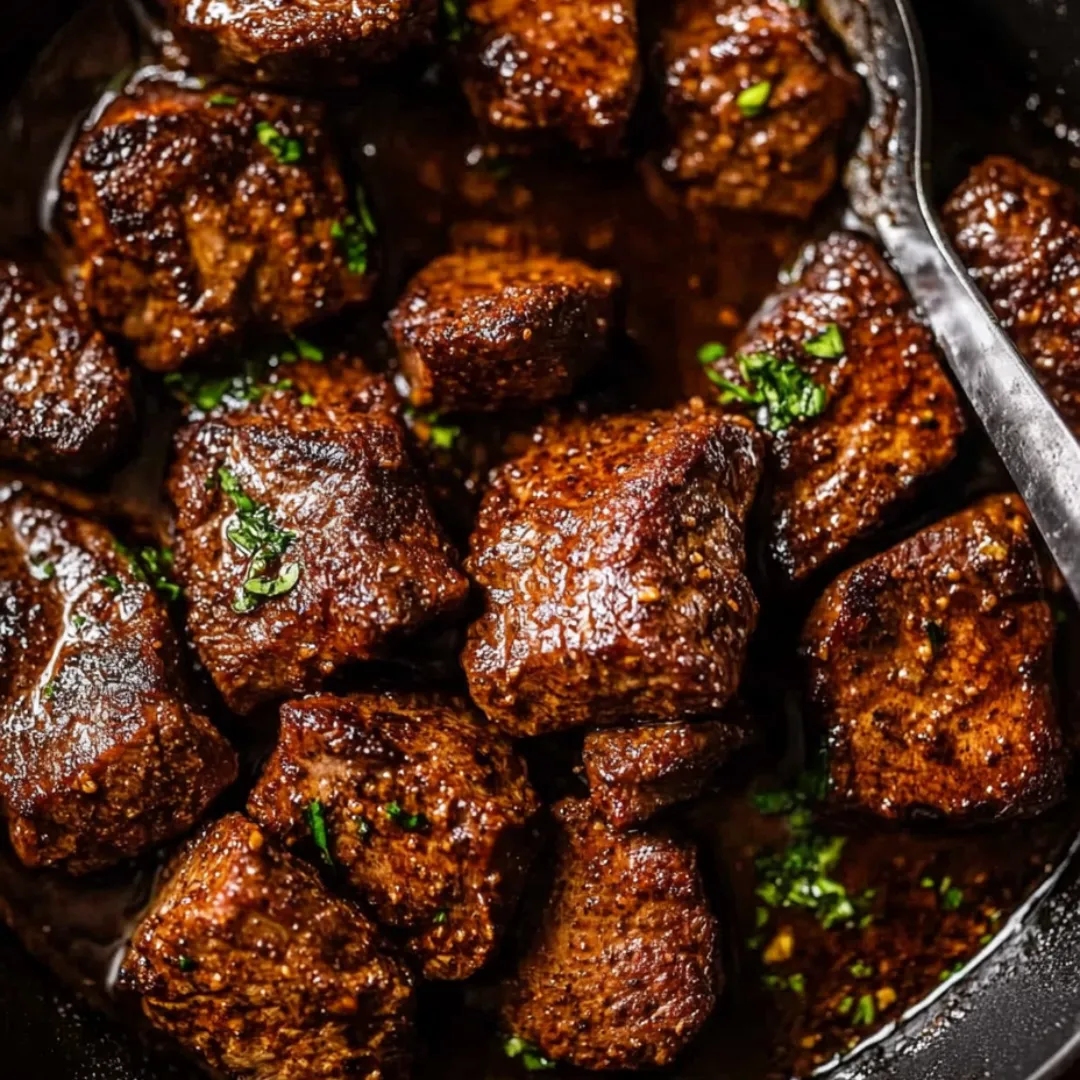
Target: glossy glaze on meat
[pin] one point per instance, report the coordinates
(248, 962)
(930, 669)
(428, 811)
(610, 556)
(101, 754)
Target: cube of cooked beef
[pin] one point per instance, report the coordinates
(304, 536)
(200, 217)
(425, 807)
(634, 772)
(1019, 235)
(101, 756)
(319, 41)
(930, 666)
(623, 964)
(486, 330)
(65, 401)
(756, 100)
(611, 559)
(248, 962)
(553, 70)
(890, 414)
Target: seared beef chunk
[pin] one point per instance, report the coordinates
(930, 665)
(318, 41)
(425, 807)
(553, 68)
(611, 559)
(65, 402)
(756, 101)
(483, 330)
(1018, 234)
(199, 216)
(249, 963)
(623, 965)
(890, 418)
(305, 539)
(100, 755)
(633, 772)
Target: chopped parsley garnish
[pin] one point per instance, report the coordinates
(254, 533)
(152, 566)
(185, 963)
(441, 917)
(48, 691)
(308, 351)
(710, 352)
(430, 428)
(78, 621)
(363, 827)
(308, 399)
(781, 388)
(828, 345)
(453, 20)
(949, 972)
(530, 1056)
(753, 99)
(286, 150)
(353, 235)
(861, 969)
(222, 100)
(112, 583)
(865, 1012)
(797, 983)
(951, 895)
(845, 1005)
(937, 635)
(42, 571)
(315, 817)
(408, 822)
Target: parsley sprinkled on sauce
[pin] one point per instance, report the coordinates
(363, 827)
(453, 20)
(48, 691)
(253, 532)
(315, 817)
(308, 351)
(951, 895)
(865, 1011)
(784, 392)
(828, 345)
(441, 917)
(308, 399)
(112, 583)
(185, 963)
(710, 352)
(154, 567)
(222, 100)
(408, 822)
(861, 970)
(42, 571)
(78, 621)
(286, 150)
(753, 100)
(797, 983)
(353, 234)
(430, 428)
(845, 1006)
(949, 972)
(529, 1055)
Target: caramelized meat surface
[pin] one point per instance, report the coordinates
(563, 69)
(930, 666)
(427, 809)
(756, 101)
(65, 401)
(304, 536)
(199, 217)
(251, 965)
(318, 41)
(485, 330)
(610, 556)
(1019, 235)
(623, 965)
(634, 772)
(100, 755)
(891, 419)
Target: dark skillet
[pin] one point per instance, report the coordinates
(1006, 74)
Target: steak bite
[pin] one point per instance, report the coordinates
(930, 667)
(483, 330)
(319, 41)
(65, 401)
(611, 560)
(1019, 236)
(251, 965)
(426, 808)
(200, 217)
(634, 772)
(623, 966)
(553, 70)
(888, 415)
(100, 755)
(756, 101)
(304, 536)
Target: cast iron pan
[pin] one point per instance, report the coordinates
(1006, 79)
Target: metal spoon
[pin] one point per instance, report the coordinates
(888, 181)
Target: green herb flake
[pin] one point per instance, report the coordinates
(286, 150)
(861, 970)
(440, 917)
(952, 898)
(152, 566)
(529, 1055)
(408, 822)
(453, 20)
(221, 101)
(865, 1013)
(845, 1006)
(48, 691)
(308, 399)
(797, 983)
(949, 972)
(710, 352)
(308, 350)
(78, 621)
(112, 583)
(315, 817)
(43, 570)
(352, 236)
(771, 803)
(185, 963)
(363, 827)
(828, 345)
(753, 100)
(926, 882)
(761, 917)
(784, 392)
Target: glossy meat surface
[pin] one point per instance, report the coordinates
(364, 561)
(756, 101)
(483, 330)
(634, 772)
(553, 69)
(610, 556)
(428, 813)
(201, 217)
(251, 965)
(1019, 235)
(65, 401)
(892, 417)
(930, 666)
(623, 966)
(101, 757)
